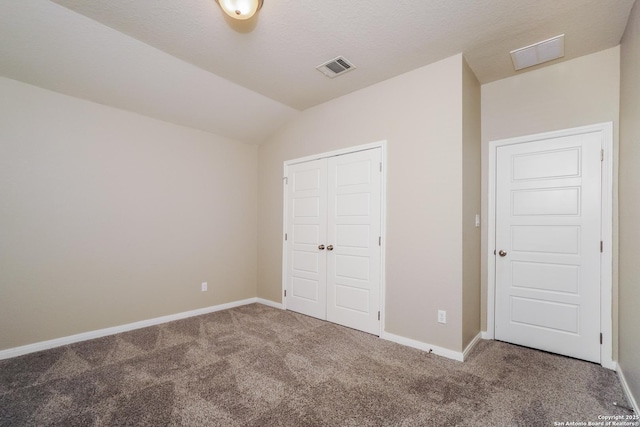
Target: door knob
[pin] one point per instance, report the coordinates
(330, 247)
(502, 253)
(321, 247)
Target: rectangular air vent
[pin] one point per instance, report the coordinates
(537, 53)
(335, 67)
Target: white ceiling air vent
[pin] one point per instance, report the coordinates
(335, 67)
(537, 53)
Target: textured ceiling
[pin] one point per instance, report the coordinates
(383, 38)
(164, 58)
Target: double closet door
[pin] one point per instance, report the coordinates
(333, 237)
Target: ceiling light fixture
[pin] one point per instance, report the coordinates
(240, 9)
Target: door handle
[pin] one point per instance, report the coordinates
(502, 253)
(330, 247)
(321, 247)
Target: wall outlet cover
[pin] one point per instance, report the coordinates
(442, 316)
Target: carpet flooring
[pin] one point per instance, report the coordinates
(259, 366)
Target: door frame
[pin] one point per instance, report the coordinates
(383, 215)
(606, 230)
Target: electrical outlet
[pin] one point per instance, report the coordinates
(204, 286)
(442, 316)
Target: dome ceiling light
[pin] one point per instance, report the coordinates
(240, 9)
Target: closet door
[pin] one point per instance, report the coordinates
(353, 253)
(333, 253)
(306, 228)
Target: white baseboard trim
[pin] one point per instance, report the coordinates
(45, 345)
(444, 352)
(486, 335)
(472, 344)
(627, 390)
(609, 364)
(270, 303)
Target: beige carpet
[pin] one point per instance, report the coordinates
(259, 366)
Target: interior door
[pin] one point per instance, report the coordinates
(306, 274)
(353, 234)
(548, 209)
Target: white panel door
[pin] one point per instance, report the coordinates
(548, 209)
(353, 257)
(307, 233)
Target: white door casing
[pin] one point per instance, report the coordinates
(346, 252)
(549, 209)
(548, 243)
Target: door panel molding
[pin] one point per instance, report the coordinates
(606, 229)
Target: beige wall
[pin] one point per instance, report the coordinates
(108, 217)
(574, 93)
(470, 205)
(419, 114)
(629, 351)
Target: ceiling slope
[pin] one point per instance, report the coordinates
(47, 45)
(186, 63)
(382, 38)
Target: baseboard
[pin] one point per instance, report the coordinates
(58, 342)
(486, 335)
(471, 345)
(444, 352)
(609, 364)
(270, 303)
(627, 390)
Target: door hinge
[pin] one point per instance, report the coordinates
(601, 246)
(600, 337)
(285, 236)
(286, 180)
(380, 166)
(602, 155)
(380, 241)
(378, 315)
(285, 292)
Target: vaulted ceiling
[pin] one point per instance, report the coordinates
(185, 62)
